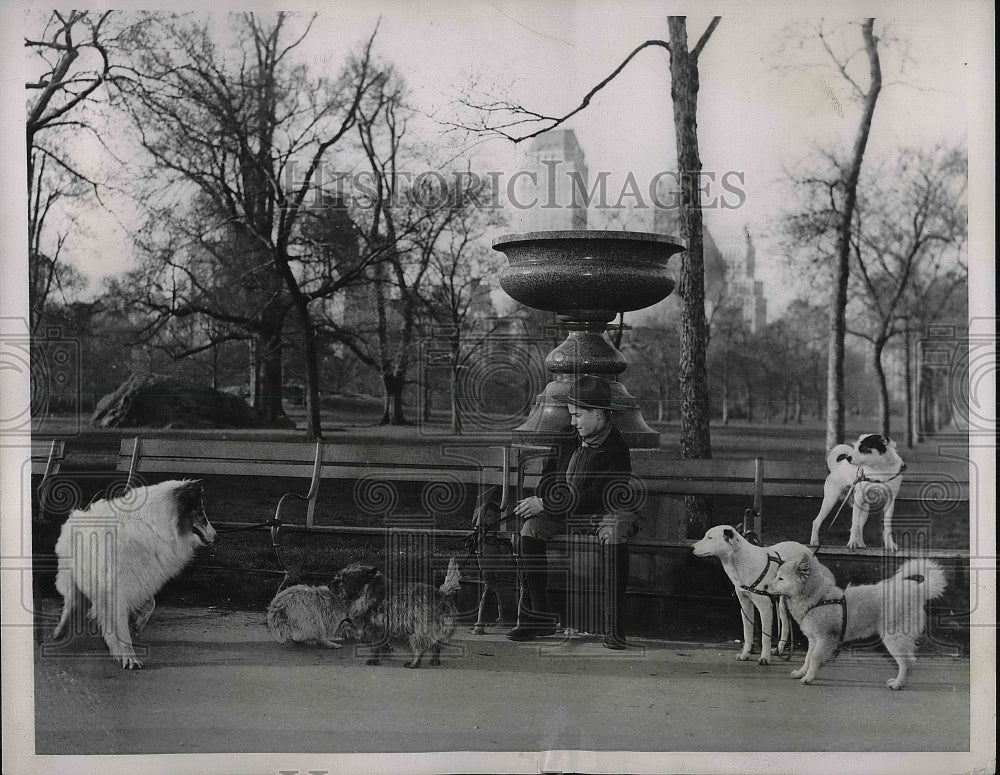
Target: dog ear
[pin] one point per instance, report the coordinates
(189, 494)
(803, 567)
(728, 534)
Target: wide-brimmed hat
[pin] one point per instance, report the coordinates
(590, 392)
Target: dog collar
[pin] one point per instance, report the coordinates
(771, 558)
(862, 477)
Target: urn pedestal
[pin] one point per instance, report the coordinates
(586, 278)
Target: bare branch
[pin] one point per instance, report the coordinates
(524, 116)
(696, 51)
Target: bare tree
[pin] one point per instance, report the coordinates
(71, 63)
(457, 298)
(830, 196)
(393, 211)
(906, 245)
(653, 349)
(248, 129)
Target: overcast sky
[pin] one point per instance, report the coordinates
(762, 108)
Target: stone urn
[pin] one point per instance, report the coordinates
(586, 278)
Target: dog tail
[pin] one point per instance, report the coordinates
(838, 453)
(927, 574)
(451, 579)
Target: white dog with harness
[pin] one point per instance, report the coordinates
(749, 567)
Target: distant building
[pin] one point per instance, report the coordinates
(744, 290)
(549, 192)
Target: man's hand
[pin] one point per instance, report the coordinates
(529, 507)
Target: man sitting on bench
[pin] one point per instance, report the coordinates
(577, 493)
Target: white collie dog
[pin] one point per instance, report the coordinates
(893, 609)
(120, 552)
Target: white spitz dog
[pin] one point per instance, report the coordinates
(309, 615)
(874, 457)
(120, 552)
(893, 609)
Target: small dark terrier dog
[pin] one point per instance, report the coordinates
(419, 614)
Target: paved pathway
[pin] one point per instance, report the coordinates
(215, 682)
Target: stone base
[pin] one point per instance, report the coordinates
(548, 421)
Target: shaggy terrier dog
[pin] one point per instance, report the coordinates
(120, 552)
(417, 614)
(309, 615)
(893, 609)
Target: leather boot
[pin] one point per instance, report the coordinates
(534, 619)
(616, 566)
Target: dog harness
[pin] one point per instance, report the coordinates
(842, 602)
(771, 558)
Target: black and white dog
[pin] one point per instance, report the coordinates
(875, 470)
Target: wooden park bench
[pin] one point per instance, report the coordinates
(756, 484)
(444, 471)
(512, 470)
(47, 458)
(46, 461)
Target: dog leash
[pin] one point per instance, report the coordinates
(860, 477)
(255, 526)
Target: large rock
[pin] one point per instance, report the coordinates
(145, 401)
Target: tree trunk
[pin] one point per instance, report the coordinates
(256, 390)
(926, 402)
(392, 408)
(883, 387)
(908, 379)
(695, 432)
(456, 409)
(271, 375)
(314, 429)
(684, 85)
(841, 269)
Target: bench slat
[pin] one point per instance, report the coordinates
(446, 457)
(949, 491)
(214, 466)
(211, 450)
(47, 457)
